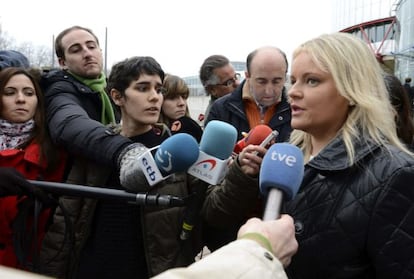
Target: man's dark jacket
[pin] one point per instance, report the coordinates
(73, 114)
(230, 109)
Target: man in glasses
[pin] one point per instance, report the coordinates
(218, 77)
(260, 98)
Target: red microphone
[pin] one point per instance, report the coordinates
(256, 136)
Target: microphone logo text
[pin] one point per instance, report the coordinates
(148, 169)
(289, 160)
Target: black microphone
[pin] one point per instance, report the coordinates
(216, 146)
(280, 176)
(111, 194)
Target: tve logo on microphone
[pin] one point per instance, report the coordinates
(289, 160)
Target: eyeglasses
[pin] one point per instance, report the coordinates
(230, 82)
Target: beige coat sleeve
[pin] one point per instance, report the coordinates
(242, 259)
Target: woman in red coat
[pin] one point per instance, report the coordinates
(26, 147)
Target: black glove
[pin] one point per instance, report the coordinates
(13, 183)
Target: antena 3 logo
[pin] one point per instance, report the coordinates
(208, 164)
(209, 168)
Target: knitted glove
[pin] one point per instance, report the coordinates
(130, 175)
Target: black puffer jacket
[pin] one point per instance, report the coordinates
(73, 113)
(355, 222)
(230, 108)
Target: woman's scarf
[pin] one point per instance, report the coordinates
(12, 135)
(98, 85)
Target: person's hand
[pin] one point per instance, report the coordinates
(250, 159)
(130, 174)
(280, 233)
(13, 183)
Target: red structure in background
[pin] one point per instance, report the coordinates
(362, 30)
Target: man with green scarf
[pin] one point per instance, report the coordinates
(78, 112)
(78, 108)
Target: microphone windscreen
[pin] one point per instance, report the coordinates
(258, 134)
(187, 125)
(176, 154)
(282, 168)
(218, 139)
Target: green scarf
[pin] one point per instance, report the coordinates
(98, 85)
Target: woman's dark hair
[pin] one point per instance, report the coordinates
(49, 153)
(401, 104)
(130, 69)
(174, 86)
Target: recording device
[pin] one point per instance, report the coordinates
(216, 146)
(280, 176)
(256, 136)
(176, 154)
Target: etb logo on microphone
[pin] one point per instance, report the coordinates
(150, 169)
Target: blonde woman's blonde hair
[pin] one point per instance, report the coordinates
(359, 78)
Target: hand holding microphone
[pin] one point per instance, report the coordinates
(130, 174)
(261, 134)
(280, 177)
(138, 167)
(252, 148)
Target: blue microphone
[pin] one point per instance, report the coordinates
(218, 139)
(216, 147)
(176, 154)
(280, 176)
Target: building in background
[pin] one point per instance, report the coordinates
(404, 55)
(387, 26)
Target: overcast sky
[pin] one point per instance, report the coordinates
(180, 34)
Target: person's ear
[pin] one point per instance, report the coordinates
(211, 90)
(62, 63)
(117, 97)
